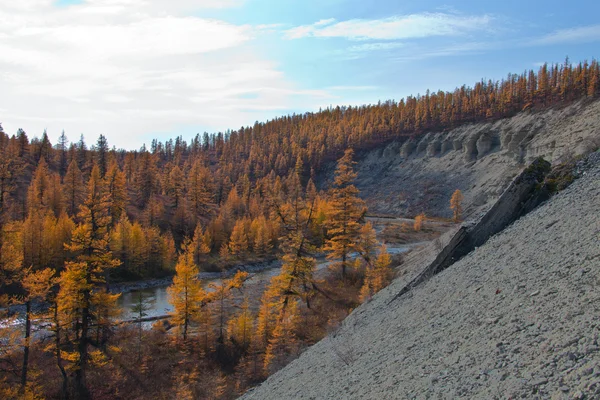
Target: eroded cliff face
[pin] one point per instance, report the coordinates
(420, 174)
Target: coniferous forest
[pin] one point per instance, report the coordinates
(77, 217)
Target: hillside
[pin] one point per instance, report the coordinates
(516, 318)
(480, 159)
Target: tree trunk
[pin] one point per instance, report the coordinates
(65, 392)
(26, 345)
(81, 390)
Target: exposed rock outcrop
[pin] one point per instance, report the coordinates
(434, 148)
(408, 148)
(480, 159)
(523, 195)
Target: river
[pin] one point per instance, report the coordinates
(157, 299)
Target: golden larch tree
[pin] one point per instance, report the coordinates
(378, 275)
(176, 186)
(238, 243)
(419, 220)
(199, 195)
(83, 295)
(74, 188)
(201, 245)
(346, 210)
(186, 293)
(240, 327)
(117, 190)
(456, 205)
(220, 293)
(366, 244)
(283, 340)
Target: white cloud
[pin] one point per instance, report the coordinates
(421, 53)
(375, 46)
(126, 68)
(364, 50)
(352, 88)
(394, 28)
(582, 34)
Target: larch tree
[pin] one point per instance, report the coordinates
(36, 285)
(240, 327)
(219, 295)
(199, 196)
(102, 155)
(345, 213)
(186, 293)
(37, 242)
(11, 256)
(378, 275)
(83, 295)
(23, 144)
(44, 148)
(260, 234)
(74, 188)
(139, 310)
(153, 212)
(419, 220)
(267, 318)
(8, 177)
(56, 201)
(224, 252)
(62, 146)
(117, 191)
(38, 193)
(234, 205)
(283, 338)
(145, 180)
(82, 154)
(296, 216)
(11, 273)
(200, 245)
(238, 243)
(456, 205)
(366, 244)
(176, 187)
(278, 312)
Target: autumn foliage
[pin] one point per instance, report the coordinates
(456, 204)
(74, 219)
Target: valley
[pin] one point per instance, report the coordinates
(256, 262)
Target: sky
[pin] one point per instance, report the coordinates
(135, 70)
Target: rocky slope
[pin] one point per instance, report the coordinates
(405, 178)
(516, 318)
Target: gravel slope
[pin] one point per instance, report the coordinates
(516, 318)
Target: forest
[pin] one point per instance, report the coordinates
(75, 219)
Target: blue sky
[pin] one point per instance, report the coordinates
(139, 69)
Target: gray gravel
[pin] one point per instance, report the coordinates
(517, 318)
